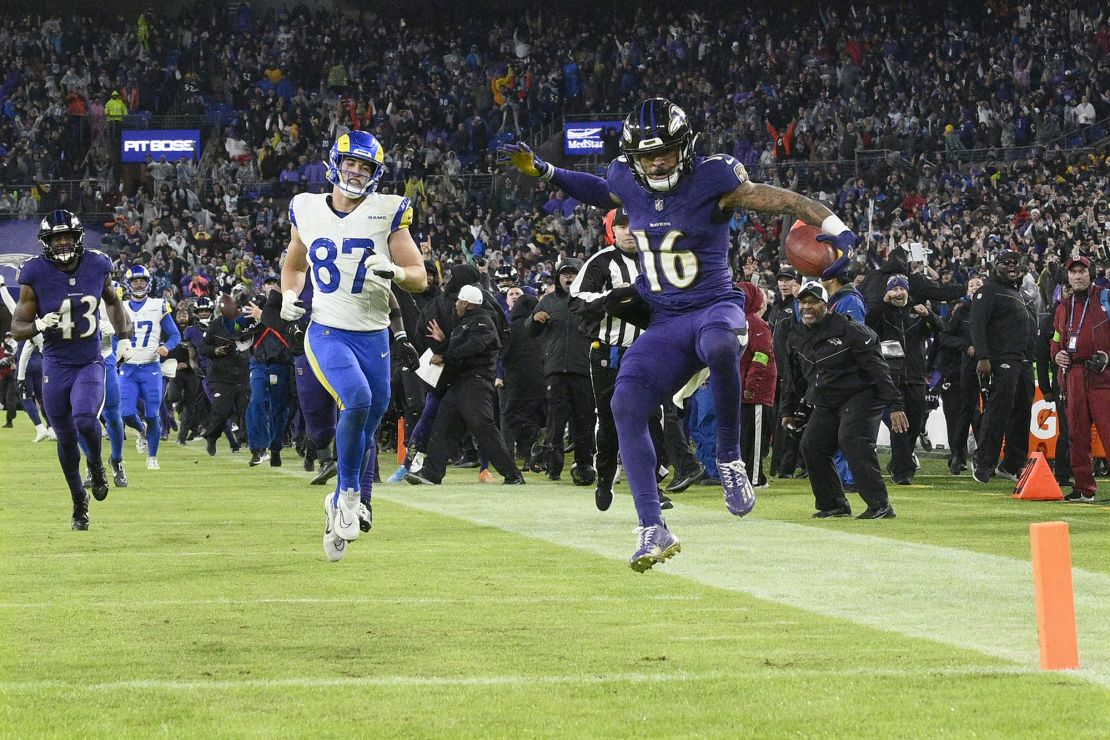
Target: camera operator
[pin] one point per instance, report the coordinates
(903, 330)
(837, 377)
(1081, 348)
(1003, 330)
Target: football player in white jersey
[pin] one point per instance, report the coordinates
(155, 334)
(354, 241)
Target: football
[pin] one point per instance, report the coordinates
(228, 308)
(810, 256)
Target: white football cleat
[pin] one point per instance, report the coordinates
(346, 515)
(140, 444)
(41, 433)
(50, 433)
(152, 463)
(335, 547)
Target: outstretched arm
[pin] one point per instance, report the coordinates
(582, 186)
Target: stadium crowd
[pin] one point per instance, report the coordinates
(970, 131)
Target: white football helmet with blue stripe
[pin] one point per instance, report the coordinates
(356, 145)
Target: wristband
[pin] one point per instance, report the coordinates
(400, 336)
(548, 173)
(833, 225)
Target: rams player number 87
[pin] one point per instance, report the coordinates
(355, 242)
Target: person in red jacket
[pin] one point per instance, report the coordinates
(759, 375)
(1081, 347)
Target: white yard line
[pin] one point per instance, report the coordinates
(310, 682)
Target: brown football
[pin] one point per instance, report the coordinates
(228, 308)
(810, 256)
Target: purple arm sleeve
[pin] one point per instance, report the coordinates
(583, 186)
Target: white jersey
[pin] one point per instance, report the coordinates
(146, 328)
(346, 294)
(107, 331)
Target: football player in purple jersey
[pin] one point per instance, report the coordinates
(679, 206)
(59, 297)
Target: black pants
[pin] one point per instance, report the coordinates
(522, 420)
(1061, 466)
(192, 402)
(669, 440)
(672, 443)
(570, 398)
(960, 401)
(784, 450)
(467, 406)
(853, 428)
(755, 438)
(902, 443)
(229, 400)
(9, 396)
(1006, 415)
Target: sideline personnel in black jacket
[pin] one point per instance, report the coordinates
(566, 365)
(468, 357)
(1003, 332)
(227, 372)
(895, 320)
(834, 367)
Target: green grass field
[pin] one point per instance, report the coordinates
(200, 604)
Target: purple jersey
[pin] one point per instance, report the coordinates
(682, 235)
(75, 341)
(194, 335)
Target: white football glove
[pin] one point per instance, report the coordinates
(49, 321)
(291, 307)
(124, 350)
(383, 267)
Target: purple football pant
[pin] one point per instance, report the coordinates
(317, 405)
(657, 365)
(72, 398)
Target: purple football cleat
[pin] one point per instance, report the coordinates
(654, 545)
(739, 494)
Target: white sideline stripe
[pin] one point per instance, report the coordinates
(415, 600)
(956, 597)
(310, 682)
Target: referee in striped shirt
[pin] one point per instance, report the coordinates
(614, 266)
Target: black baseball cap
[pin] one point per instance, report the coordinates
(620, 215)
(789, 271)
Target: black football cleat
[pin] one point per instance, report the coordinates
(119, 476)
(664, 502)
(210, 446)
(516, 480)
(81, 513)
(583, 475)
(275, 458)
(682, 482)
(603, 498)
(365, 517)
(886, 511)
(99, 480)
(326, 473)
(837, 513)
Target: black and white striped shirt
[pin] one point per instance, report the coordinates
(602, 272)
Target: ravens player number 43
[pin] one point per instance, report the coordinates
(59, 297)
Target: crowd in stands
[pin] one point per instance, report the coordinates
(968, 128)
